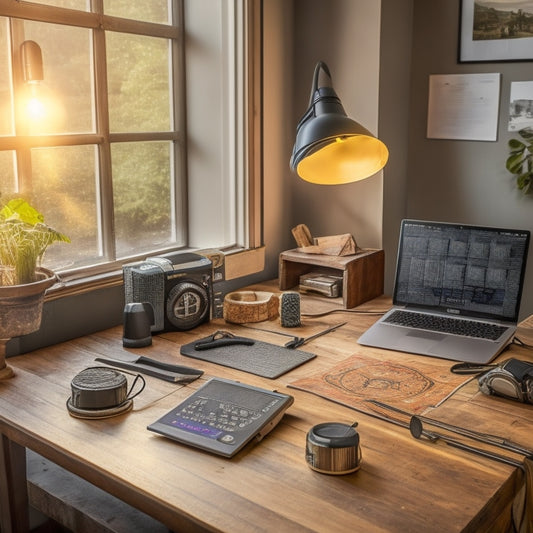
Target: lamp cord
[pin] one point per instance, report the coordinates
(354, 311)
(521, 343)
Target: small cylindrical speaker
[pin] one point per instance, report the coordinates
(333, 448)
(99, 388)
(290, 309)
(102, 392)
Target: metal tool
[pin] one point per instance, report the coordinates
(417, 430)
(485, 438)
(151, 367)
(299, 341)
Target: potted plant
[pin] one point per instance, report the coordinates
(520, 160)
(24, 237)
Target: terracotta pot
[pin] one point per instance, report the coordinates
(21, 309)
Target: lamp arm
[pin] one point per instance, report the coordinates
(320, 66)
(322, 96)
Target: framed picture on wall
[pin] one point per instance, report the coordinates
(495, 30)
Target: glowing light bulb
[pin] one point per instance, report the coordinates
(35, 109)
(41, 111)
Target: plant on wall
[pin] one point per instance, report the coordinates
(520, 160)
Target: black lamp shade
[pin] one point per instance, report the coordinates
(330, 147)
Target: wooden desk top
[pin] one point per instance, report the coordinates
(403, 484)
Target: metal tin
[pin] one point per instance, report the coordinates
(333, 448)
(328, 285)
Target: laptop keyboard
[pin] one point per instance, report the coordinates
(444, 324)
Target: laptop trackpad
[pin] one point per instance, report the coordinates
(427, 335)
(447, 346)
(462, 349)
(416, 341)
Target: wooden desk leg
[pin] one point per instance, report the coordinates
(13, 489)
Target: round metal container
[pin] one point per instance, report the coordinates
(333, 448)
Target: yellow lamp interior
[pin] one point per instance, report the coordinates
(345, 160)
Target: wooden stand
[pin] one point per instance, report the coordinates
(362, 273)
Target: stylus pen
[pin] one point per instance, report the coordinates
(299, 341)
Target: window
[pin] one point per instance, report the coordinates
(99, 146)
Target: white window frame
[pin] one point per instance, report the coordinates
(239, 141)
(226, 58)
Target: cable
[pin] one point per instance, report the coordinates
(521, 343)
(331, 311)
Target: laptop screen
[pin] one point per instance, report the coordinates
(461, 269)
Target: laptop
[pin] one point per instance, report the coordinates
(457, 291)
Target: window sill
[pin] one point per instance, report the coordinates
(237, 264)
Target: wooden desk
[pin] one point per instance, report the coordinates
(403, 484)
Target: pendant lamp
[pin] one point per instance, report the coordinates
(330, 147)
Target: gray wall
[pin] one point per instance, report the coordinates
(345, 34)
(463, 181)
(394, 115)
(447, 180)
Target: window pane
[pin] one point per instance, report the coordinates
(153, 11)
(64, 190)
(6, 95)
(138, 83)
(81, 5)
(8, 184)
(65, 97)
(142, 196)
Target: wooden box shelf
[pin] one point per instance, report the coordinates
(362, 273)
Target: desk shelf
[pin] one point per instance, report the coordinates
(362, 273)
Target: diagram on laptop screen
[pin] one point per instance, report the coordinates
(461, 268)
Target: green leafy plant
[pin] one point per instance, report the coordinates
(24, 237)
(520, 160)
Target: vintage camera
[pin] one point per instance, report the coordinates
(512, 379)
(178, 286)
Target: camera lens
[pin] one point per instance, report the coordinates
(187, 305)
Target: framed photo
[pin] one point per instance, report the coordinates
(496, 30)
(521, 106)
